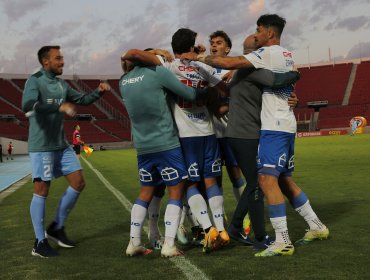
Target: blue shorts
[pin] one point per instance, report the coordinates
(168, 166)
(51, 165)
(227, 155)
(276, 153)
(202, 157)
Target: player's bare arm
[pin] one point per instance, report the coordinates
(141, 57)
(164, 53)
(224, 62)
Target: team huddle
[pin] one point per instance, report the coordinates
(190, 115)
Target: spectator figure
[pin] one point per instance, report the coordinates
(10, 150)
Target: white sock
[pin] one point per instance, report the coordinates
(216, 203)
(198, 207)
(153, 216)
(138, 214)
(172, 219)
(310, 216)
(281, 230)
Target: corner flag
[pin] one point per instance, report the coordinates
(88, 150)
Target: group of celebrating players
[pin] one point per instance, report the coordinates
(189, 115)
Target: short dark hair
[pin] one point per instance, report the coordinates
(44, 52)
(183, 40)
(220, 33)
(272, 20)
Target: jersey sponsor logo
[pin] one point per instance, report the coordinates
(193, 76)
(132, 80)
(287, 54)
(197, 116)
(169, 174)
(289, 63)
(189, 68)
(51, 101)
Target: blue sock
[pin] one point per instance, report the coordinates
(299, 200)
(213, 191)
(277, 210)
(37, 211)
(66, 204)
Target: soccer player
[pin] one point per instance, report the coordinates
(276, 147)
(197, 138)
(145, 91)
(220, 44)
(77, 141)
(46, 98)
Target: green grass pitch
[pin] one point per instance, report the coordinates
(333, 171)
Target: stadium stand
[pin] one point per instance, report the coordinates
(7, 109)
(12, 130)
(340, 116)
(326, 82)
(116, 128)
(19, 82)
(303, 114)
(90, 133)
(361, 88)
(331, 86)
(10, 93)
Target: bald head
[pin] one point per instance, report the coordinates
(249, 44)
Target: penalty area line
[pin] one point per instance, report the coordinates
(184, 265)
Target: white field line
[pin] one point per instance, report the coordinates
(184, 265)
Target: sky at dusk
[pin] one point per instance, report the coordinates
(94, 33)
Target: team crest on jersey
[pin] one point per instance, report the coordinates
(169, 174)
(145, 176)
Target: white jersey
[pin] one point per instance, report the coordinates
(219, 125)
(192, 118)
(275, 114)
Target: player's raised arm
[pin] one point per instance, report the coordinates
(140, 57)
(219, 61)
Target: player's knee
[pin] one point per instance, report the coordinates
(79, 185)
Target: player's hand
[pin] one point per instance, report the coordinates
(104, 86)
(293, 100)
(228, 76)
(68, 108)
(166, 54)
(199, 49)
